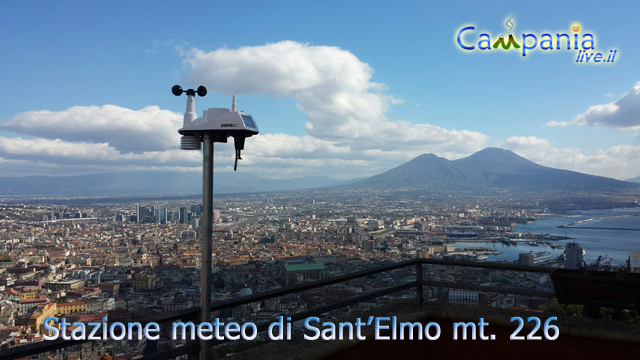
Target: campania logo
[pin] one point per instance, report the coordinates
(573, 40)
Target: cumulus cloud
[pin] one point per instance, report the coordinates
(620, 162)
(623, 113)
(59, 151)
(334, 88)
(150, 128)
(348, 132)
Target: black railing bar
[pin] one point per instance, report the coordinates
(307, 286)
(191, 313)
(488, 265)
(327, 308)
(51, 345)
(295, 317)
(358, 299)
(341, 278)
(493, 289)
(314, 284)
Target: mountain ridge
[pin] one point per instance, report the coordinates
(490, 168)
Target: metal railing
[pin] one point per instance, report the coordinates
(191, 348)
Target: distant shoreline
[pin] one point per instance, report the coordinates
(572, 224)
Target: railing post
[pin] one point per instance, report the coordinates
(419, 293)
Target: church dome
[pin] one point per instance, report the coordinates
(245, 292)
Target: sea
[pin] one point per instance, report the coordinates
(613, 233)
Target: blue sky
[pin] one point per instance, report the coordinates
(346, 89)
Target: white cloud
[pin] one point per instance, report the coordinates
(623, 113)
(619, 162)
(56, 151)
(348, 133)
(294, 146)
(150, 128)
(554, 123)
(334, 88)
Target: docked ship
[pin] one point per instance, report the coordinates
(541, 257)
(463, 234)
(482, 258)
(532, 258)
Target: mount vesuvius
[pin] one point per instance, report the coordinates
(487, 169)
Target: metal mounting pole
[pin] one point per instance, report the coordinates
(207, 220)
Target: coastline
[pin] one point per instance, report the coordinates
(612, 241)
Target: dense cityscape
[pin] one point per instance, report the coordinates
(89, 259)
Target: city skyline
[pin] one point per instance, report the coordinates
(348, 91)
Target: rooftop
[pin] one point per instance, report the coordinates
(304, 267)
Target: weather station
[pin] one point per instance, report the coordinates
(215, 125)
